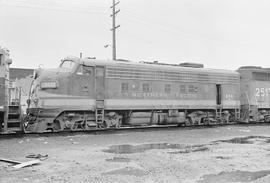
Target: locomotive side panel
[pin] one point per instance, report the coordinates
(2, 92)
(231, 96)
(255, 93)
(136, 87)
(261, 92)
(73, 91)
(141, 94)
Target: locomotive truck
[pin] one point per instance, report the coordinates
(83, 94)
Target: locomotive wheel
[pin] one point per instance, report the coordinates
(188, 122)
(267, 119)
(206, 121)
(74, 126)
(103, 125)
(56, 127)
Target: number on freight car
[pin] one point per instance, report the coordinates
(261, 92)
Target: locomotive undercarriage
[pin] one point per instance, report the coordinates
(87, 120)
(260, 115)
(254, 114)
(264, 115)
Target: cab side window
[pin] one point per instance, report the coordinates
(84, 70)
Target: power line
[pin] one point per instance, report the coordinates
(167, 27)
(56, 7)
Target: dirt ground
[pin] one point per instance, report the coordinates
(205, 155)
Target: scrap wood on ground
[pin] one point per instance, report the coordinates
(19, 164)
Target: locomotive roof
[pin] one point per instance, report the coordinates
(116, 63)
(253, 69)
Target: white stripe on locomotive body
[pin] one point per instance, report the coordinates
(69, 103)
(89, 104)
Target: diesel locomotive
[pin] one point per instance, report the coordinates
(84, 94)
(255, 93)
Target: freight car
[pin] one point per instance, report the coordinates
(255, 93)
(83, 94)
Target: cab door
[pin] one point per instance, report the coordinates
(85, 81)
(100, 82)
(218, 94)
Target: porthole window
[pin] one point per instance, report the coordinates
(124, 87)
(146, 87)
(167, 88)
(191, 89)
(182, 88)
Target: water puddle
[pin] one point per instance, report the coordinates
(119, 160)
(247, 140)
(127, 171)
(234, 176)
(191, 149)
(130, 149)
(223, 157)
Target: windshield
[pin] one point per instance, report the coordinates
(67, 64)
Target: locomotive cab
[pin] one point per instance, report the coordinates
(55, 89)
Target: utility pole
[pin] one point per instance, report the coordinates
(114, 27)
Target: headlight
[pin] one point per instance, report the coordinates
(48, 85)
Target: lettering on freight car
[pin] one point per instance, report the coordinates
(261, 92)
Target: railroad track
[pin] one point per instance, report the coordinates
(125, 129)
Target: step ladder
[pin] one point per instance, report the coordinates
(14, 118)
(219, 114)
(237, 113)
(99, 113)
(12, 111)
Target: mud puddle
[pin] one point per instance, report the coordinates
(247, 140)
(130, 149)
(119, 160)
(126, 171)
(191, 149)
(234, 176)
(223, 157)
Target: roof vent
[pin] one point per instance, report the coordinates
(91, 58)
(190, 64)
(249, 67)
(123, 60)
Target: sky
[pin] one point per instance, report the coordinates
(223, 34)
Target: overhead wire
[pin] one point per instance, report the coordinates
(55, 7)
(180, 32)
(95, 7)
